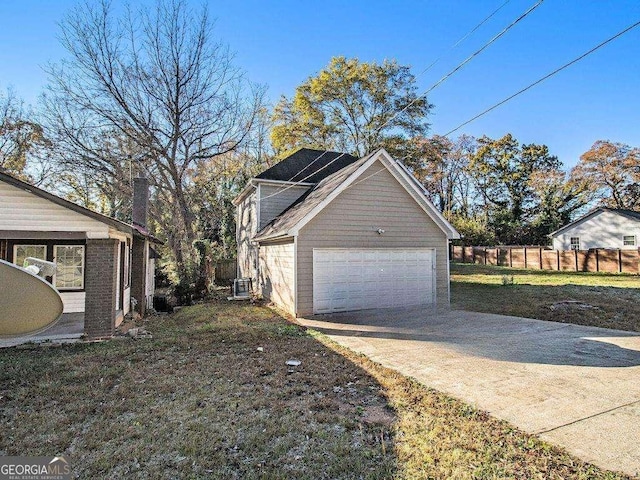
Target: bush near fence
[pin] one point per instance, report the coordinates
(541, 258)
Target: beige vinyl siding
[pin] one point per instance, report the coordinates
(277, 274)
(246, 228)
(352, 219)
(21, 210)
(272, 206)
(73, 302)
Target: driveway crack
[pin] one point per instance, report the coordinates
(588, 417)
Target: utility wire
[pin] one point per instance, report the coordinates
(429, 67)
(557, 70)
(467, 60)
(434, 86)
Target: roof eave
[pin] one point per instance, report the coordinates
(27, 187)
(276, 236)
(243, 194)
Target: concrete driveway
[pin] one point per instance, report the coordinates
(577, 387)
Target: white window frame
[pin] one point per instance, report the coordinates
(572, 245)
(15, 251)
(634, 239)
(55, 256)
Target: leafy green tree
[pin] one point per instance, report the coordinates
(612, 173)
(353, 107)
(503, 170)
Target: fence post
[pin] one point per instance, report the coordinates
(540, 257)
(575, 256)
(510, 258)
(619, 260)
(525, 256)
(597, 259)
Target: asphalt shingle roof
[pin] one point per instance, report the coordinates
(280, 225)
(308, 165)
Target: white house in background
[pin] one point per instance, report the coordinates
(600, 228)
(101, 262)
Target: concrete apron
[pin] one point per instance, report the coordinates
(69, 328)
(577, 387)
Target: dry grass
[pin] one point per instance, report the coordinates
(595, 299)
(200, 401)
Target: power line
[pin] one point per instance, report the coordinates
(462, 39)
(438, 83)
(468, 59)
(557, 70)
(455, 45)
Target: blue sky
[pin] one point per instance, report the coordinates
(281, 43)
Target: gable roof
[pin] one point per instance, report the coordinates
(307, 165)
(631, 214)
(290, 221)
(112, 222)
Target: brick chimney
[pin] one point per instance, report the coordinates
(140, 202)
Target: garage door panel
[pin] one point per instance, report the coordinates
(355, 279)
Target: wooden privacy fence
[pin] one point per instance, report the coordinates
(594, 260)
(225, 272)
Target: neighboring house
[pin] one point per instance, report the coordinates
(101, 262)
(324, 232)
(600, 228)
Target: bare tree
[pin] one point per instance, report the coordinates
(19, 133)
(159, 80)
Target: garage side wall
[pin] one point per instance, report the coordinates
(277, 278)
(352, 220)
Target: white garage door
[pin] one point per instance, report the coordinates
(350, 279)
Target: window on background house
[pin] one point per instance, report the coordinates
(575, 243)
(70, 262)
(629, 240)
(20, 252)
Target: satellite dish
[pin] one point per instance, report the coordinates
(28, 304)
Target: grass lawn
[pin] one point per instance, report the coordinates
(199, 400)
(596, 299)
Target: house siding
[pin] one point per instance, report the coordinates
(272, 206)
(352, 219)
(24, 211)
(277, 274)
(603, 230)
(246, 228)
(73, 301)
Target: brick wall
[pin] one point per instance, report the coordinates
(138, 273)
(100, 287)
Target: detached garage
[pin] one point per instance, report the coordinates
(364, 237)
